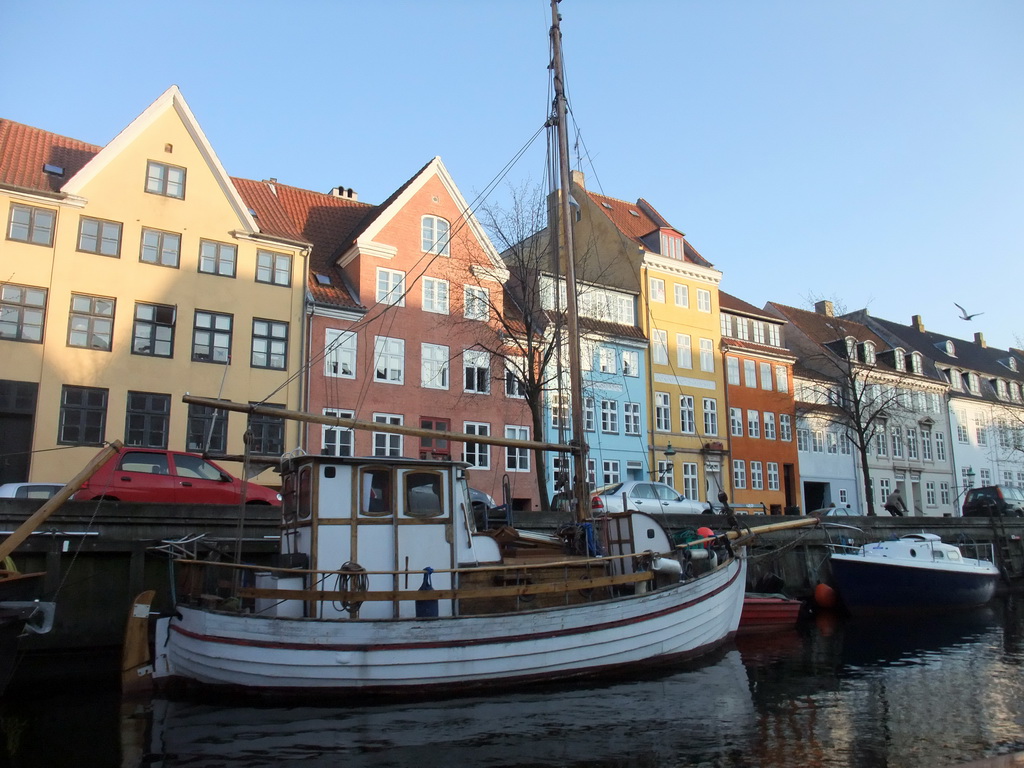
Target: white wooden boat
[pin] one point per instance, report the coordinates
(355, 619)
(914, 572)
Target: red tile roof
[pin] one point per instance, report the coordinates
(24, 151)
(825, 329)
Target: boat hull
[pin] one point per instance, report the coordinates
(866, 584)
(415, 656)
(763, 613)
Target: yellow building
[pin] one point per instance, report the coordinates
(632, 246)
(131, 274)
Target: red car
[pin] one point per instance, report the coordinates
(169, 477)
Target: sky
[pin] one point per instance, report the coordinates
(869, 153)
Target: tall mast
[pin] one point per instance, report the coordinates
(581, 495)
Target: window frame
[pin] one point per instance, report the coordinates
(215, 333)
(100, 237)
(160, 248)
(19, 309)
(154, 324)
(432, 301)
(435, 366)
(32, 226)
(218, 258)
(273, 270)
(163, 181)
(93, 321)
(389, 287)
(268, 344)
(148, 416)
(390, 351)
(83, 411)
(435, 242)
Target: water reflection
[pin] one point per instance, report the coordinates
(913, 693)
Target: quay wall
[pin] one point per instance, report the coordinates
(97, 557)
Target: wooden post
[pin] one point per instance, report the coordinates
(136, 664)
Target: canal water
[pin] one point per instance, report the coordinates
(832, 693)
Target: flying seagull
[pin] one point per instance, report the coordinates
(963, 312)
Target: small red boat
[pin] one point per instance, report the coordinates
(764, 612)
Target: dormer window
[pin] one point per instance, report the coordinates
(947, 347)
(1011, 363)
(851, 348)
(869, 353)
(1015, 392)
(916, 363)
(899, 359)
(672, 246)
(1001, 389)
(974, 383)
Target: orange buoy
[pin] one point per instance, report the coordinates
(825, 596)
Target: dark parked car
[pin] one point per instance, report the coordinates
(994, 500)
(169, 477)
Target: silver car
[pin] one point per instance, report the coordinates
(644, 496)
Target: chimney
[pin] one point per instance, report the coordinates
(577, 178)
(979, 339)
(918, 323)
(344, 194)
(824, 308)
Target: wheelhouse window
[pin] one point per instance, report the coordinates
(101, 237)
(91, 322)
(83, 416)
(211, 338)
(166, 180)
(424, 494)
(217, 258)
(435, 236)
(22, 313)
(29, 224)
(146, 419)
(375, 496)
(269, 344)
(273, 268)
(153, 330)
(160, 248)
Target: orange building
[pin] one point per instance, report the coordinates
(760, 404)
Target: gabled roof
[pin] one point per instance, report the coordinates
(828, 329)
(24, 151)
(638, 221)
(731, 303)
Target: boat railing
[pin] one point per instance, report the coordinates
(974, 550)
(237, 587)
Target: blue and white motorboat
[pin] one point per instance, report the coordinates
(915, 571)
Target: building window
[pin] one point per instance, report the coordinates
(161, 248)
(91, 322)
(267, 433)
(435, 295)
(337, 441)
(739, 474)
(732, 371)
(707, 355)
(753, 424)
(153, 330)
(684, 353)
(803, 440)
(147, 419)
(769, 425)
(710, 416)
(785, 427)
(97, 236)
(657, 288)
(269, 344)
(773, 478)
(207, 429)
(911, 443)
(687, 421)
(476, 303)
(818, 441)
(390, 287)
(273, 268)
(476, 368)
(756, 476)
(339, 354)
(659, 347)
(29, 224)
(22, 313)
(610, 417)
(435, 236)
(682, 295)
(926, 444)
(477, 454)
(211, 338)
(690, 481)
(515, 377)
(929, 494)
(703, 300)
(437, 447)
(940, 446)
(83, 416)
(631, 363)
(897, 442)
(217, 258)
(559, 411)
(517, 459)
(434, 366)
(736, 422)
(758, 331)
(726, 323)
(986, 477)
(831, 443)
(881, 443)
(766, 377)
(589, 414)
(631, 418)
(662, 415)
(944, 497)
(781, 378)
(742, 328)
(387, 443)
(166, 180)
(389, 360)
(606, 360)
(610, 473)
